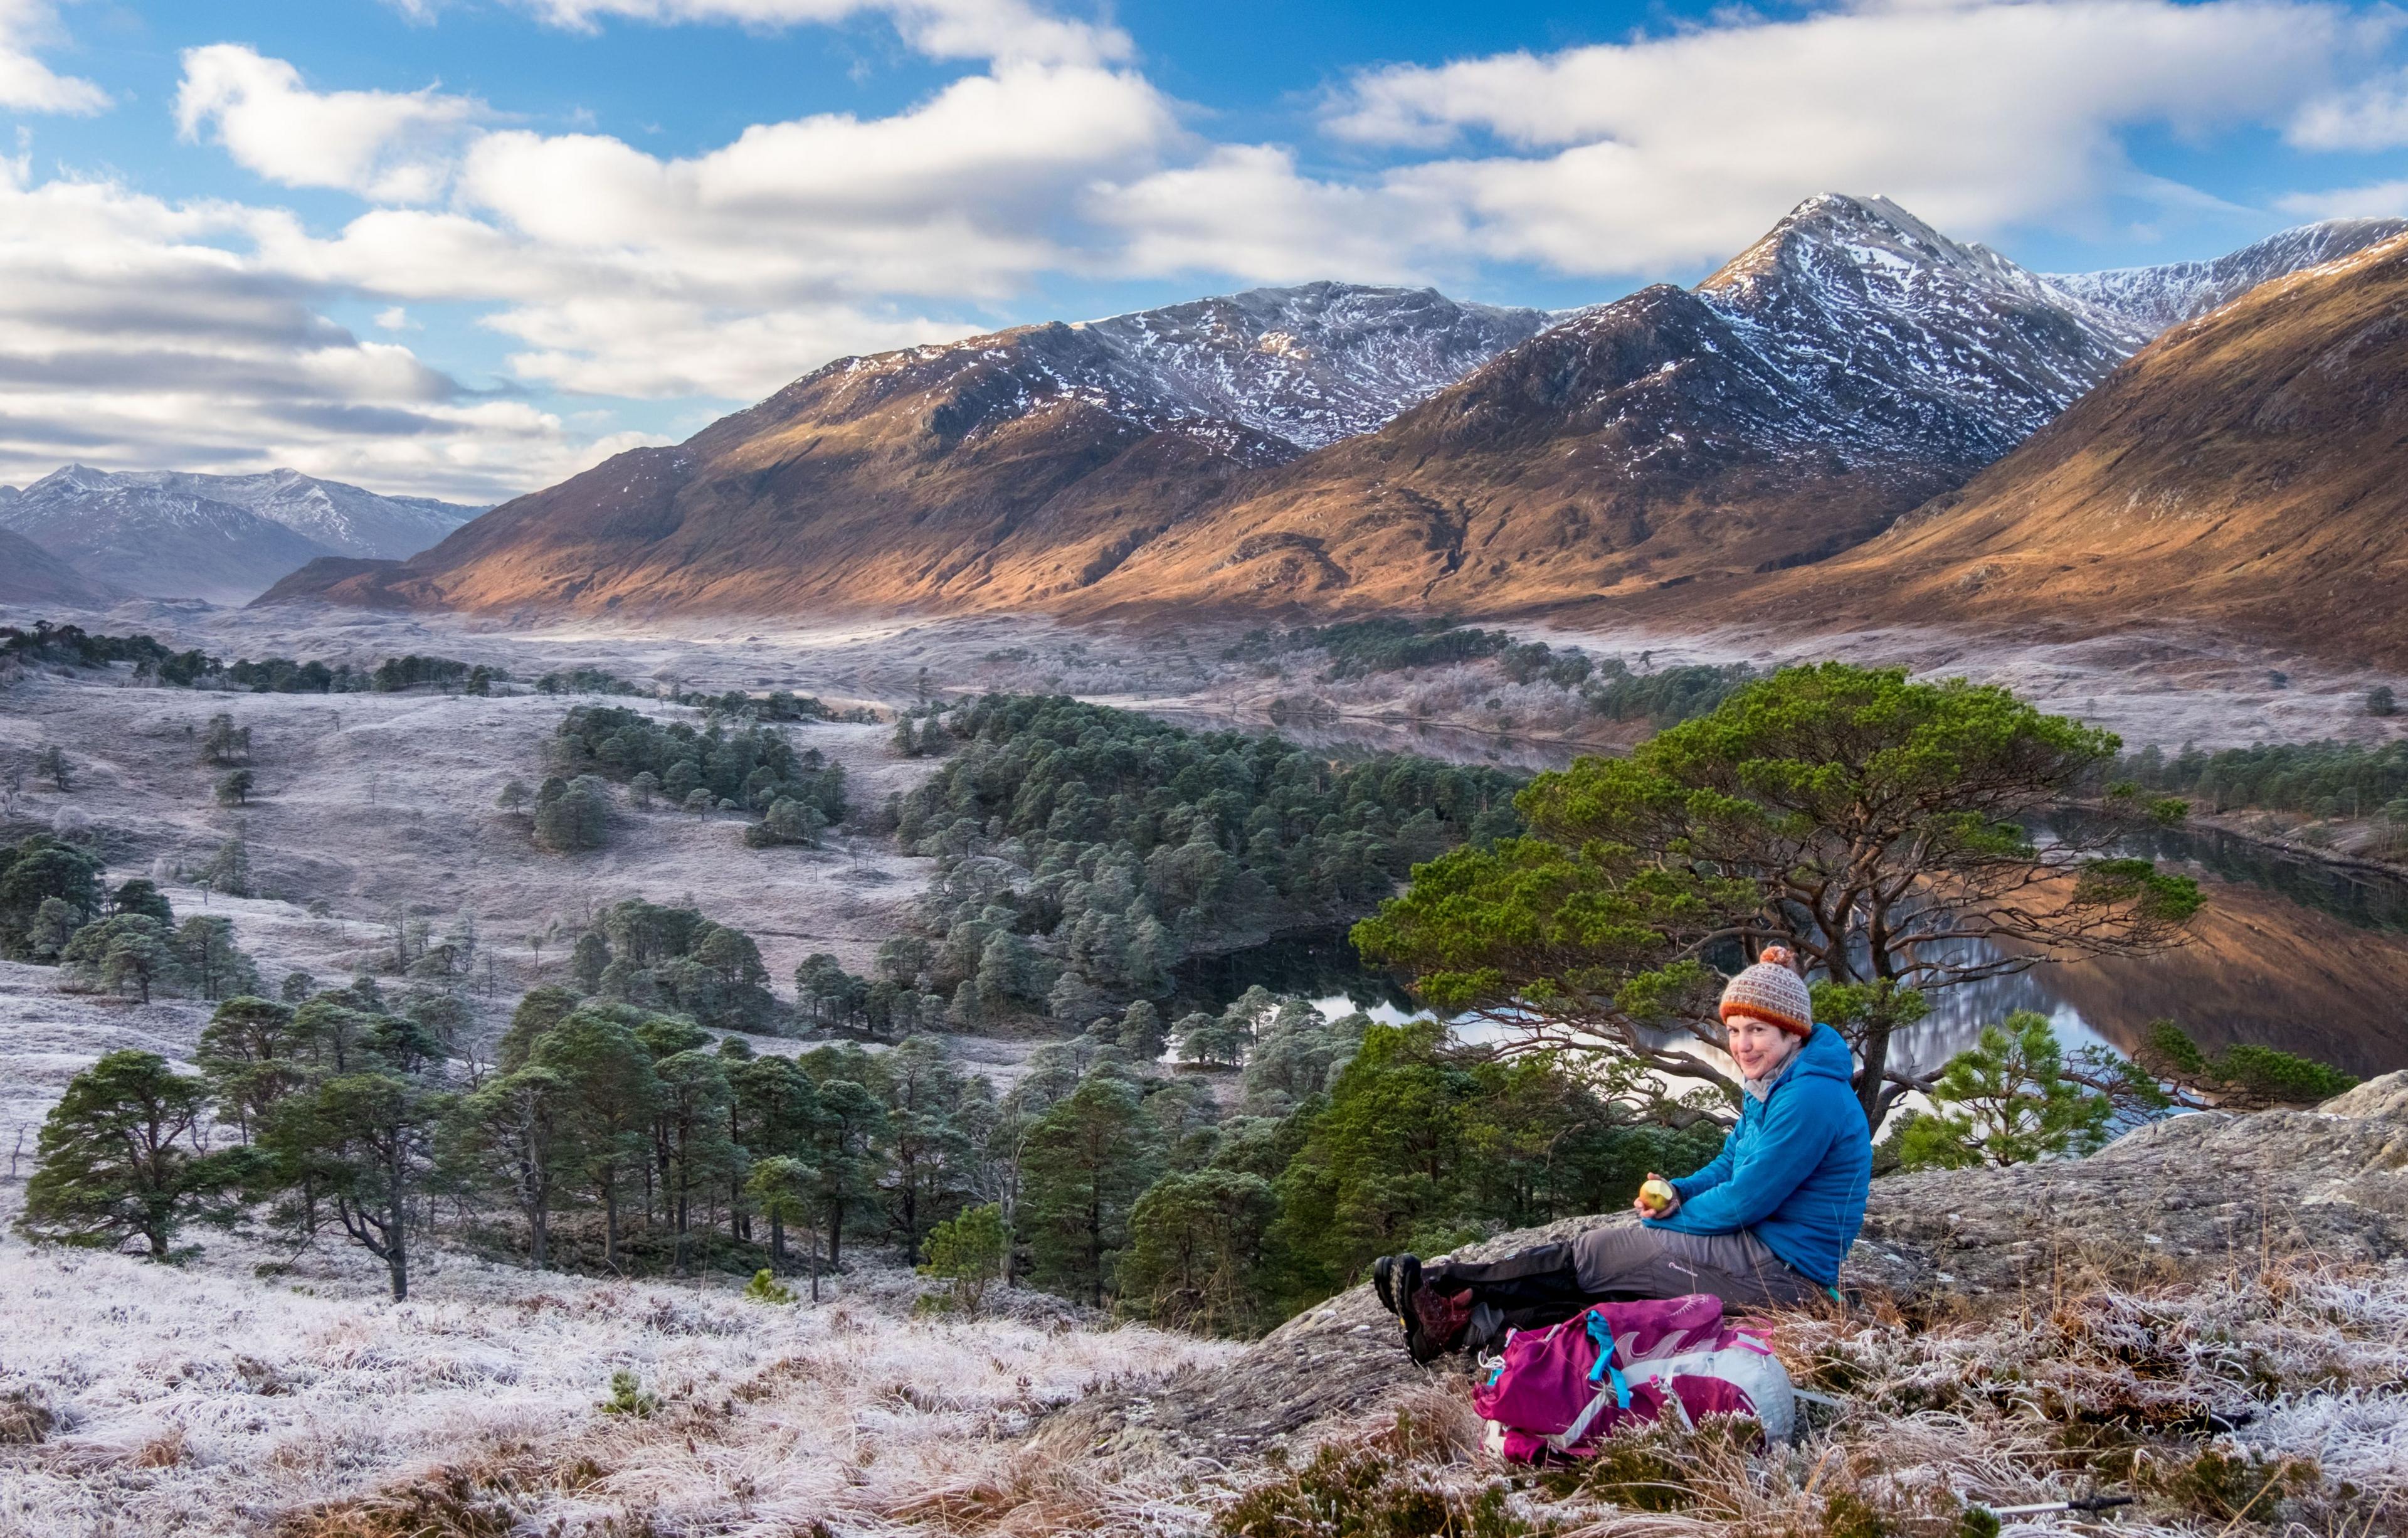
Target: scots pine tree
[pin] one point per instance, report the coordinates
(119, 1156)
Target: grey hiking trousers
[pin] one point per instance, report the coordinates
(1630, 1261)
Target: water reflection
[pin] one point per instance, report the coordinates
(1323, 968)
(2290, 952)
(2364, 900)
(1321, 965)
(2263, 968)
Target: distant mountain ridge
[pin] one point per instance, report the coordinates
(1310, 365)
(1019, 465)
(2153, 299)
(222, 537)
(1331, 446)
(30, 574)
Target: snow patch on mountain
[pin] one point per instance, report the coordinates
(345, 519)
(1887, 337)
(1263, 375)
(1314, 364)
(1855, 332)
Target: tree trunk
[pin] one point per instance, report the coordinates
(776, 1242)
(610, 1223)
(836, 1234)
(1869, 1082)
(397, 1253)
(683, 1269)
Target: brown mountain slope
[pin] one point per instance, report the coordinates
(873, 483)
(1266, 449)
(2248, 470)
(1007, 469)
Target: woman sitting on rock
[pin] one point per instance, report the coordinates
(1767, 1223)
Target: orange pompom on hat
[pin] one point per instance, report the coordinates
(1770, 991)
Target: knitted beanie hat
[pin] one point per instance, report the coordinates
(1770, 991)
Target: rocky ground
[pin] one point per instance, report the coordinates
(2196, 1197)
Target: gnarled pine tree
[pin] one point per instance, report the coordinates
(1880, 828)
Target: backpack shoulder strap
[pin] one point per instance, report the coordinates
(1602, 1333)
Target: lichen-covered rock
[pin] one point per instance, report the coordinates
(2170, 1200)
(2385, 1096)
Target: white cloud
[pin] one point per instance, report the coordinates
(2372, 116)
(1245, 211)
(138, 333)
(653, 347)
(391, 147)
(941, 29)
(2378, 200)
(394, 318)
(26, 84)
(1980, 116)
(730, 272)
(956, 195)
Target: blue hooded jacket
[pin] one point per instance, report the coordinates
(1796, 1168)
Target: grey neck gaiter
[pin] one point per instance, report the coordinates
(1759, 1088)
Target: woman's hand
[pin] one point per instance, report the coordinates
(1655, 1197)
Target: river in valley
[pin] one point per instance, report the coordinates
(2289, 953)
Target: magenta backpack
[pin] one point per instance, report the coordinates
(1564, 1389)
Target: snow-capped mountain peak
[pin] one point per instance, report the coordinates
(347, 520)
(1893, 336)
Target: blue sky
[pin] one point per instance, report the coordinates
(466, 247)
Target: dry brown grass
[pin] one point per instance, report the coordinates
(164, 1451)
(25, 1417)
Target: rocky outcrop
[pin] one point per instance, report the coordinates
(2170, 1201)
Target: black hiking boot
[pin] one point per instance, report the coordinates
(1436, 1321)
(1387, 1273)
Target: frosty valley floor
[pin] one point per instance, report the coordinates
(252, 1385)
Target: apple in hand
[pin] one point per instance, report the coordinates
(1656, 1197)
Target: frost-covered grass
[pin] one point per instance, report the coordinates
(203, 1400)
(2291, 1362)
(207, 1400)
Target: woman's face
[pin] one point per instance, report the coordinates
(1757, 1047)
